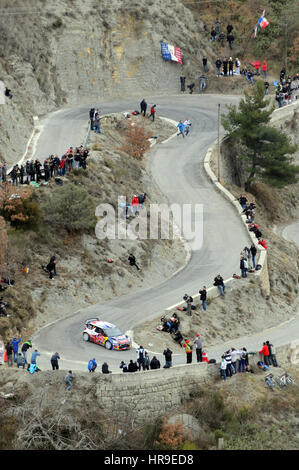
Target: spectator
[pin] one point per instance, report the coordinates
(181, 128)
(53, 260)
(198, 349)
(15, 346)
(202, 83)
(264, 69)
(8, 93)
(243, 267)
(34, 355)
(191, 87)
(213, 35)
(257, 67)
(219, 283)
(141, 200)
(266, 88)
(265, 353)
(203, 297)
(9, 351)
(97, 122)
(241, 360)
(21, 361)
(183, 82)
(272, 355)
(155, 363)
(221, 39)
(230, 67)
(217, 26)
(205, 64)
(243, 201)
(146, 362)
(228, 358)
(140, 356)
(188, 299)
(187, 124)
(229, 28)
(178, 338)
(188, 351)
(123, 366)
(92, 365)
(223, 367)
(69, 379)
(225, 64)
(168, 358)
(153, 111)
(3, 171)
(143, 107)
(135, 203)
(54, 361)
(132, 261)
(249, 77)
(51, 266)
(253, 251)
(175, 323)
(105, 368)
(132, 366)
(238, 65)
(218, 67)
(234, 355)
(25, 348)
(91, 114)
(230, 39)
(263, 243)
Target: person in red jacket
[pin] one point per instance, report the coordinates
(264, 69)
(263, 243)
(257, 66)
(265, 352)
(135, 203)
(153, 111)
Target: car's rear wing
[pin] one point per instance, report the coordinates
(91, 319)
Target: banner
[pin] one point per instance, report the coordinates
(171, 53)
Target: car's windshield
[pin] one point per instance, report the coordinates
(113, 331)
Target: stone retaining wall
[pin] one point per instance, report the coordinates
(153, 393)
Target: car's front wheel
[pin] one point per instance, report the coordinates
(85, 336)
(108, 345)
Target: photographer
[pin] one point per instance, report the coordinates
(188, 299)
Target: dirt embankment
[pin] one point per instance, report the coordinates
(85, 277)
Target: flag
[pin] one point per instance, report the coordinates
(262, 22)
(171, 53)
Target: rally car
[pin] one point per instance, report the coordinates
(106, 334)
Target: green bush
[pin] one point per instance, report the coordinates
(71, 208)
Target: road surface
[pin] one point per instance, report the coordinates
(177, 168)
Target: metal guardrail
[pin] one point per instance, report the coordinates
(87, 135)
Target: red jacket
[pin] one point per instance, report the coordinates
(153, 110)
(135, 201)
(264, 351)
(263, 243)
(264, 66)
(62, 163)
(257, 64)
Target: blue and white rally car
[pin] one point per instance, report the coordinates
(106, 334)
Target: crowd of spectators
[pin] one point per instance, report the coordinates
(53, 167)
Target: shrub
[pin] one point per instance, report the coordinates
(70, 208)
(136, 141)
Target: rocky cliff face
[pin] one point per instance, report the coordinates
(68, 52)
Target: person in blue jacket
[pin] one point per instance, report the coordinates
(15, 346)
(92, 365)
(181, 128)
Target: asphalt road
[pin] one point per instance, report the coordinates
(177, 168)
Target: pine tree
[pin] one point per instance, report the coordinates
(265, 150)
